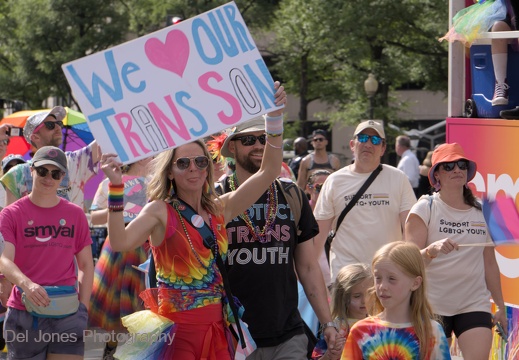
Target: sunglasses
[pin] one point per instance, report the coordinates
(5, 142)
(375, 139)
(319, 139)
(43, 171)
(50, 125)
(317, 187)
(449, 166)
(201, 162)
(249, 140)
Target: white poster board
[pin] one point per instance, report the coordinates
(173, 86)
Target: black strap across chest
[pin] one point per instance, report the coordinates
(187, 212)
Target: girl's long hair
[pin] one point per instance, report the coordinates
(161, 187)
(347, 278)
(408, 258)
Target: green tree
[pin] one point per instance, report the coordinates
(38, 36)
(150, 15)
(325, 49)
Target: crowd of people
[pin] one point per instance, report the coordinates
(237, 259)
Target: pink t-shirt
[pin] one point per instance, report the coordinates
(46, 241)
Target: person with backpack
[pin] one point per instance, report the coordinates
(270, 247)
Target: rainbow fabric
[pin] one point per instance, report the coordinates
(502, 220)
(471, 21)
(510, 350)
(374, 339)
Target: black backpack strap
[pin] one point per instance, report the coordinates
(294, 199)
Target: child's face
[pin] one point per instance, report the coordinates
(357, 308)
(394, 286)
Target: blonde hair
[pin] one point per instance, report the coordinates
(348, 277)
(161, 187)
(407, 257)
(428, 159)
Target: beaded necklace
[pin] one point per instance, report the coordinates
(272, 209)
(214, 246)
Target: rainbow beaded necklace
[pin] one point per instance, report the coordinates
(272, 209)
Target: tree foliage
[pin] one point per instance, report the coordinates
(325, 50)
(38, 36)
(322, 50)
(150, 15)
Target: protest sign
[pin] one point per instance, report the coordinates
(173, 86)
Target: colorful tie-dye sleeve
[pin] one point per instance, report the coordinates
(14, 180)
(441, 349)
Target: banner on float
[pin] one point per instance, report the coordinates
(493, 145)
(173, 86)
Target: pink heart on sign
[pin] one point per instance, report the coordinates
(172, 55)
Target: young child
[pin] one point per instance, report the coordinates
(401, 324)
(348, 306)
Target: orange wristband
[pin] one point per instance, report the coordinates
(429, 254)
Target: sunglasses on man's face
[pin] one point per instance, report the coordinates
(50, 125)
(318, 139)
(449, 166)
(249, 140)
(43, 171)
(375, 139)
(201, 162)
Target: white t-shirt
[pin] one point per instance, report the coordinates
(410, 166)
(373, 222)
(456, 281)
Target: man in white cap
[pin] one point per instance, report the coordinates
(45, 129)
(45, 237)
(379, 215)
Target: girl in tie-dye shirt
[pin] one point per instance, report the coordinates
(401, 326)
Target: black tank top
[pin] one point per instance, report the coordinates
(314, 165)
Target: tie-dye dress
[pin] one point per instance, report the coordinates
(190, 291)
(374, 339)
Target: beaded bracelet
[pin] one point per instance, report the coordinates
(115, 197)
(274, 146)
(274, 135)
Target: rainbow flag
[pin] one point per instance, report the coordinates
(502, 220)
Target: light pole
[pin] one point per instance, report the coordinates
(371, 87)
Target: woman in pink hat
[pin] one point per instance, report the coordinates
(461, 279)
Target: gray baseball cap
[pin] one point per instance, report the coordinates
(50, 155)
(12, 157)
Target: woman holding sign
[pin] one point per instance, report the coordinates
(185, 224)
(462, 281)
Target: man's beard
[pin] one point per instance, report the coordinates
(55, 142)
(247, 164)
